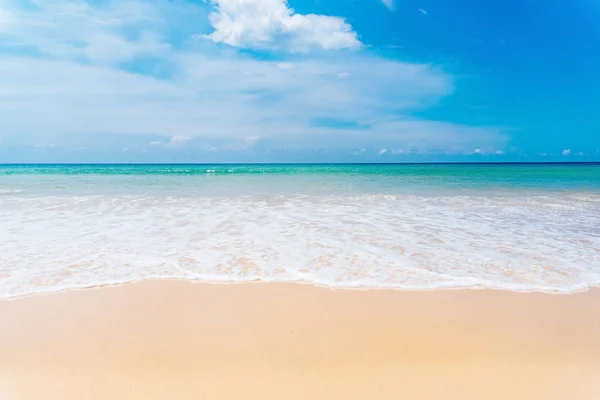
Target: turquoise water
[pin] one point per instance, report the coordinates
(324, 178)
(580, 173)
(402, 226)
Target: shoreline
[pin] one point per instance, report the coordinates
(159, 338)
(583, 289)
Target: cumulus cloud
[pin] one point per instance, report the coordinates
(271, 24)
(382, 151)
(566, 152)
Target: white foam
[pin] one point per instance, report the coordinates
(545, 243)
(9, 190)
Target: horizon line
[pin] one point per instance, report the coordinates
(311, 163)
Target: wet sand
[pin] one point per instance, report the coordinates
(180, 340)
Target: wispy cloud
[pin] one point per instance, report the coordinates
(178, 140)
(422, 11)
(121, 68)
(389, 4)
(105, 33)
(5, 18)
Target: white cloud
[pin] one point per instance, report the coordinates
(6, 18)
(77, 30)
(566, 152)
(178, 140)
(500, 152)
(477, 151)
(285, 65)
(78, 87)
(382, 151)
(389, 4)
(270, 24)
(422, 11)
(224, 96)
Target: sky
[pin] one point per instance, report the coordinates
(299, 81)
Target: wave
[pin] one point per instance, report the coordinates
(525, 243)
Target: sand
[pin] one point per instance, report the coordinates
(180, 340)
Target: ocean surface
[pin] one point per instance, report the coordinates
(408, 226)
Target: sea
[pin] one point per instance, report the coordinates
(521, 227)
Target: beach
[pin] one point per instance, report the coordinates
(320, 281)
(299, 200)
(176, 339)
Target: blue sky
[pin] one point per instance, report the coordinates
(299, 81)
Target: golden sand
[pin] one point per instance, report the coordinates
(179, 340)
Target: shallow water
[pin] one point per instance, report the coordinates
(519, 227)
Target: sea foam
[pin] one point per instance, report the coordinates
(525, 241)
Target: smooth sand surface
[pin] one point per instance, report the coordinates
(179, 340)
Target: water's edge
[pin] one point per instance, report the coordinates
(406, 227)
(551, 291)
